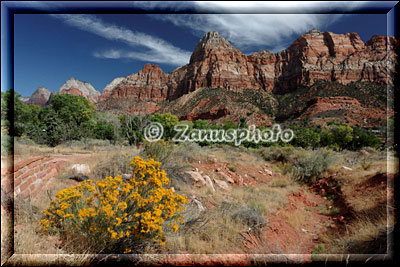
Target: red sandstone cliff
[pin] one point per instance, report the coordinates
(148, 83)
(343, 58)
(215, 63)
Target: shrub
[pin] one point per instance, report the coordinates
(338, 137)
(117, 164)
(277, 153)
(132, 127)
(116, 215)
(160, 150)
(308, 166)
(232, 167)
(103, 130)
(52, 128)
(361, 138)
(305, 137)
(168, 121)
(249, 217)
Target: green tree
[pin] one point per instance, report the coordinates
(201, 124)
(338, 137)
(168, 121)
(52, 128)
(106, 126)
(305, 137)
(132, 127)
(362, 138)
(11, 110)
(228, 124)
(72, 108)
(103, 130)
(76, 113)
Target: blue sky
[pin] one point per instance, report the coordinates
(96, 48)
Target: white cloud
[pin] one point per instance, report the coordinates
(158, 50)
(246, 30)
(251, 30)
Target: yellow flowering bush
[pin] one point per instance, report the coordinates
(114, 214)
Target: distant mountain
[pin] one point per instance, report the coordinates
(76, 87)
(39, 97)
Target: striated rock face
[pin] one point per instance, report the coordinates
(39, 97)
(344, 58)
(112, 84)
(215, 63)
(148, 83)
(76, 87)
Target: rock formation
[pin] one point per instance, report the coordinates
(215, 63)
(76, 87)
(150, 83)
(253, 82)
(344, 58)
(39, 97)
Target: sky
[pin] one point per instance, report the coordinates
(96, 48)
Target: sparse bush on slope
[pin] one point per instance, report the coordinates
(308, 166)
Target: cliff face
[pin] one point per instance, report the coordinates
(215, 63)
(343, 58)
(148, 83)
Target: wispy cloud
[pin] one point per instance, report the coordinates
(157, 50)
(247, 31)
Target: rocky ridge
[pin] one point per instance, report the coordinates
(338, 58)
(76, 87)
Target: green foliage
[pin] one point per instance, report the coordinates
(242, 122)
(338, 137)
(52, 129)
(228, 124)
(201, 124)
(362, 138)
(318, 249)
(159, 151)
(12, 111)
(168, 121)
(305, 137)
(103, 130)
(132, 127)
(72, 108)
(309, 166)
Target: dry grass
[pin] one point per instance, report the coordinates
(26, 148)
(363, 236)
(213, 233)
(213, 230)
(263, 198)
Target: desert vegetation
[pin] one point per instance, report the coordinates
(325, 192)
(71, 118)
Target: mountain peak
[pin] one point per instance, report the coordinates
(314, 31)
(39, 97)
(213, 38)
(42, 89)
(76, 87)
(210, 41)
